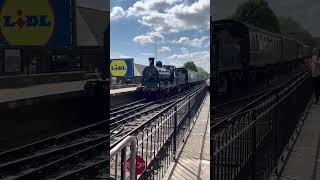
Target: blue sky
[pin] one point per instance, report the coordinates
(181, 28)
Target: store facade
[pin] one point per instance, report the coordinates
(55, 40)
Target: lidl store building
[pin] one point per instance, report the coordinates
(50, 36)
(125, 71)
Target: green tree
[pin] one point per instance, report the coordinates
(293, 29)
(202, 71)
(257, 13)
(190, 65)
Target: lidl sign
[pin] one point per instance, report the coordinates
(35, 22)
(122, 67)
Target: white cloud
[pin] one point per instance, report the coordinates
(149, 38)
(146, 7)
(117, 55)
(117, 13)
(164, 49)
(196, 42)
(201, 58)
(147, 54)
(184, 50)
(182, 40)
(169, 16)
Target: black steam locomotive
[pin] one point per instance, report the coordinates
(241, 52)
(162, 80)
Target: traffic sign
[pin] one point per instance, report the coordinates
(141, 165)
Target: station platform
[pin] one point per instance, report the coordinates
(303, 157)
(122, 96)
(20, 81)
(115, 92)
(193, 162)
(13, 97)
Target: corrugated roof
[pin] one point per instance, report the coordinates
(91, 25)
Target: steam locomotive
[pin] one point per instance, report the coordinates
(241, 52)
(162, 80)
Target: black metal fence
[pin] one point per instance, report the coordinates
(251, 147)
(157, 143)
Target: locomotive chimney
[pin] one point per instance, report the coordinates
(151, 61)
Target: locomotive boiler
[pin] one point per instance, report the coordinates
(161, 80)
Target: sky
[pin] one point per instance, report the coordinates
(181, 28)
(306, 12)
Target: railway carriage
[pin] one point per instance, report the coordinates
(242, 52)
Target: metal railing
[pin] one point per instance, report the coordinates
(157, 143)
(122, 148)
(251, 146)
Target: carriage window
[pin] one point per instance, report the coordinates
(257, 42)
(260, 40)
(254, 43)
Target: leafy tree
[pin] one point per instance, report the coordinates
(190, 65)
(257, 13)
(293, 29)
(202, 71)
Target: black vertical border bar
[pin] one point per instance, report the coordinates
(211, 90)
(74, 33)
(106, 77)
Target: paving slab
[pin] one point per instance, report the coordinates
(303, 161)
(122, 90)
(13, 94)
(194, 160)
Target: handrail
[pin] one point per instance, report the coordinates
(120, 146)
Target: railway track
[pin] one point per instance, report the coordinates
(223, 104)
(227, 109)
(155, 130)
(20, 161)
(121, 112)
(89, 163)
(78, 153)
(120, 126)
(225, 112)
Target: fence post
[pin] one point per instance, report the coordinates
(133, 162)
(189, 113)
(175, 133)
(275, 128)
(253, 145)
(121, 147)
(123, 163)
